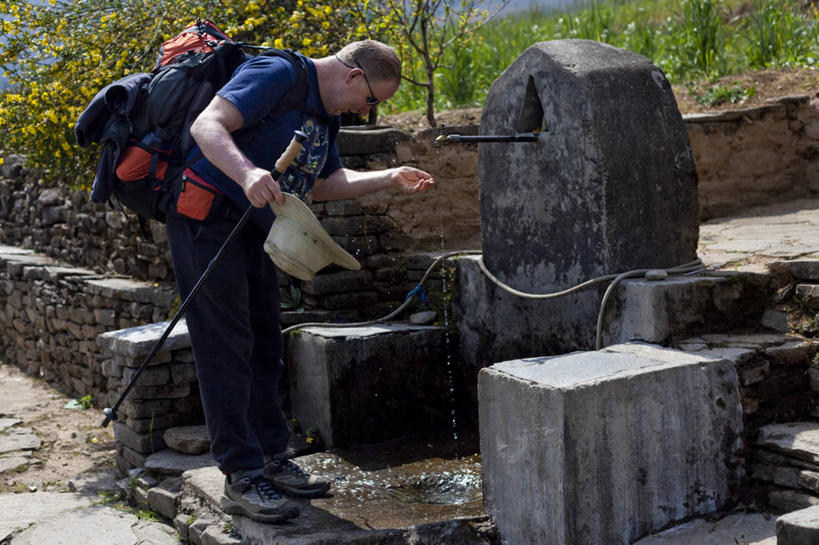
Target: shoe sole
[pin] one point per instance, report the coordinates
(300, 492)
(232, 507)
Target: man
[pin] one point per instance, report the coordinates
(234, 321)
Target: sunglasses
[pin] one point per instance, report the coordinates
(371, 100)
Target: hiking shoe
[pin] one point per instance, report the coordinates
(254, 497)
(288, 478)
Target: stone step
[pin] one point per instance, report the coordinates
(744, 528)
(797, 439)
(365, 506)
(799, 527)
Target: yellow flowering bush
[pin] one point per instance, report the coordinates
(58, 55)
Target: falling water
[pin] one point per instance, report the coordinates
(445, 322)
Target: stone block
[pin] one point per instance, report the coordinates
(130, 290)
(187, 439)
(791, 500)
(183, 372)
(616, 443)
(138, 341)
(368, 141)
(781, 475)
(809, 294)
(658, 311)
(140, 408)
(805, 269)
(797, 439)
(163, 499)
(790, 353)
(799, 527)
(154, 375)
(775, 320)
(591, 195)
(357, 225)
(144, 443)
(339, 282)
(364, 384)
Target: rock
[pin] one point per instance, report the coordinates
(423, 318)
(791, 500)
(775, 320)
(187, 439)
(799, 527)
(809, 294)
(164, 498)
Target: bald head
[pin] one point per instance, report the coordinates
(377, 59)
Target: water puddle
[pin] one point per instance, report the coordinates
(399, 484)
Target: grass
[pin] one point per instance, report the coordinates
(690, 41)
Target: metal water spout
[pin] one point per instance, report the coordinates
(462, 138)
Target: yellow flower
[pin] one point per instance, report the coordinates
(2, 160)
(306, 41)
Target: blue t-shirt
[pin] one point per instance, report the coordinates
(255, 89)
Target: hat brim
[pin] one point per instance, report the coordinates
(298, 212)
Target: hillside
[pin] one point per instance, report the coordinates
(766, 84)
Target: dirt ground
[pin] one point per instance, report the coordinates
(747, 90)
(73, 441)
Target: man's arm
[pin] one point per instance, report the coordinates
(211, 130)
(344, 183)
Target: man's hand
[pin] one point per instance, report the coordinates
(411, 180)
(260, 188)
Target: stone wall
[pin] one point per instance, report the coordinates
(53, 313)
(756, 156)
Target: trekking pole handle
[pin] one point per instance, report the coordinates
(293, 149)
(282, 163)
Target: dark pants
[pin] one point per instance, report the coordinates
(237, 343)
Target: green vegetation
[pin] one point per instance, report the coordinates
(59, 54)
(690, 41)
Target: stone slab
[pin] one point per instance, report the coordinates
(92, 483)
(10, 463)
(138, 341)
(19, 439)
(6, 423)
(798, 439)
(381, 365)
(97, 525)
(799, 527)
(747, 529)
(18, 511)
(130, 290)
(654, 427)
(805, 269)
(169, 462)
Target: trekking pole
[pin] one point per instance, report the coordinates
(282, 163)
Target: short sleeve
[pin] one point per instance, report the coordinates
(257, 86)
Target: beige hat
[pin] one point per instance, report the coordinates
(299, 245)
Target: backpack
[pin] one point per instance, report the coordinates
(145, 128)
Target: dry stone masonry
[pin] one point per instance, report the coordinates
(54, 312)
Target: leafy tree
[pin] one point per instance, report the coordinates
(59, 53)
(425, 30)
